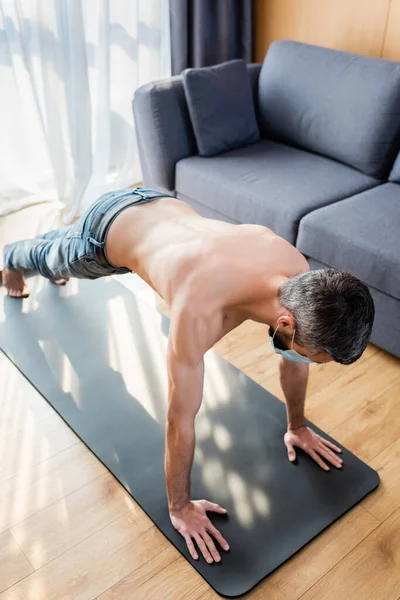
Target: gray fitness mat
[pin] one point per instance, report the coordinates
(97, 354)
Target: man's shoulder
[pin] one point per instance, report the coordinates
(290, 258)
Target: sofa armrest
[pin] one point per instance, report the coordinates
(164, 131)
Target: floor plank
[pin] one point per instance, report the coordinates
(386, 498)
(126, 588)
(37, 442)
(376, 415)
(371, 571)
(354, 386)
(179, 581)
(96, 564)
(59, 527)
(13, 564)
(30, 491)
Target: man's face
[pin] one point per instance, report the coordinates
(284, 342)
(279, 340)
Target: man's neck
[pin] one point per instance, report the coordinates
(262, 305)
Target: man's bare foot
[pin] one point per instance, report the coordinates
(60, 281)
(15, 284)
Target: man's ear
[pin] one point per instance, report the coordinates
(286, 323)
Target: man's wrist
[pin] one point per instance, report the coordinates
(178, 507)
(293, 426)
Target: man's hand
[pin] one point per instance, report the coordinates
(192, 522)
(314, 445)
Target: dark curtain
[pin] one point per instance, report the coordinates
(207, 32)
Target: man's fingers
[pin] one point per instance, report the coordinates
(191, 547)
(291, 451)
(211, 546)
(218, 536)
(330, 445)
(214, 507)
(318, 460)
(330, 456)
(203, 547)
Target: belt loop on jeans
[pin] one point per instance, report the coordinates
(96, 243)
(101, 257)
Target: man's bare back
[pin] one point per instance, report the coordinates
(217, 265)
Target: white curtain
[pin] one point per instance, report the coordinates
(68, 71)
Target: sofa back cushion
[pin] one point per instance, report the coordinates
(344, 106)
(221, 107)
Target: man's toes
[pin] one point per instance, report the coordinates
(60, 281)
(15, 293)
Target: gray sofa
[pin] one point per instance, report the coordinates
(323, 175)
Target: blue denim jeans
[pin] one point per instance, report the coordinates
(77, 250)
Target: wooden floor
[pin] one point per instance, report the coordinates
(69, 531)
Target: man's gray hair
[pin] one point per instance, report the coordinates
(333, 312)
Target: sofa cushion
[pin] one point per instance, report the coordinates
(338, 104)
(267, 183)
(221, 107)
(205, 211)
(360, 235)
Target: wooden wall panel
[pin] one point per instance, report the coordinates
(352, 25)
(391, 46)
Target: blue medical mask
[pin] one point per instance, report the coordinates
(290, 354)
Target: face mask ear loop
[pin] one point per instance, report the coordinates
(294, 331)
(275, 331)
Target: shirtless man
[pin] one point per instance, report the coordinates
(214, 276)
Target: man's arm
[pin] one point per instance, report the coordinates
(185, 393)
(188, 340)
(294, 379)
(191, 335)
